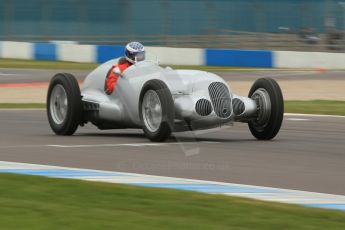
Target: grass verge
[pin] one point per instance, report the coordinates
(307, 107)
(34, 64)
(316, 107)
(30, 202)
(22, 105)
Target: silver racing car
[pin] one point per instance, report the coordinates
(161, 101)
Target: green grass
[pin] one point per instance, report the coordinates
(316, 107)
(64, 65)
(22, 105)
(308, 107)
(33, 64)
(29, 202)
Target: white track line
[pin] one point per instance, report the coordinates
(297, 119)
(22, 109)
(11, 74)
(312, 115)
(132, 144)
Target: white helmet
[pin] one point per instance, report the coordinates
(134, 52)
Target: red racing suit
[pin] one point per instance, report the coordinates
(112, 77)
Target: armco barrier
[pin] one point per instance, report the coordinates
(20, 50)
(105, 53)
(178, 56)
(44, 51)
(75, 53)
(174, 56)
(244, 58)
(321, 60)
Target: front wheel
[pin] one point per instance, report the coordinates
(270, 104)
(156, 110)
(64, 107)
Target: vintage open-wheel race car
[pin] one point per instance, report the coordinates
(161, 101)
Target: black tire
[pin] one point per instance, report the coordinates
(268, 129)
(73, 116)
(167, 106)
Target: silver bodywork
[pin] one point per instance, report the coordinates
(121, 108)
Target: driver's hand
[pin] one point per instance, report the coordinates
(117, 71)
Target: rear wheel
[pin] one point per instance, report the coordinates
(156, 109)
(268, 96)
(64, 108)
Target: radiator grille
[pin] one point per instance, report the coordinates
(220, 98)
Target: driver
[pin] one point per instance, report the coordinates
(134, 52)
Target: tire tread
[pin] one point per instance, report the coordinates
(277, 109)
(74, 111)
(167, 103)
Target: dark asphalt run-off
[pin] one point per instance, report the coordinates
(308, 153)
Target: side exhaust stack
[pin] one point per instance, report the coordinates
(243, 108)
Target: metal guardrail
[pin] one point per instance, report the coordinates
(224, 39)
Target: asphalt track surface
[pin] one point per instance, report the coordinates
(308, 154)
(9, 76)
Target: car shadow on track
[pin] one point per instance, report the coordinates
(110, 135)
(172, 139)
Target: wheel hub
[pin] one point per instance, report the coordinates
(152, 111)
(263, 102)
(58, 104)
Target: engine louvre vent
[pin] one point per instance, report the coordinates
(90, 106)
(203, 107)
(90, 111)
(220, 98)
(238, 106)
